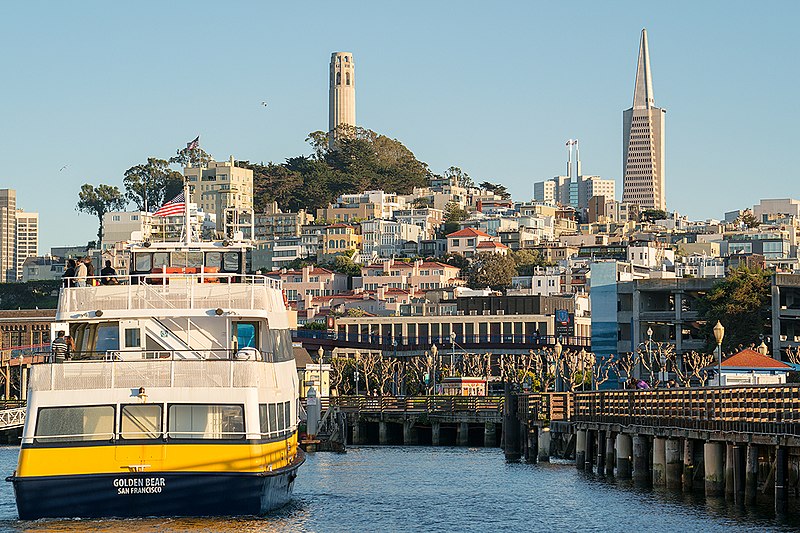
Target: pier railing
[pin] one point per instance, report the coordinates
(442, 405)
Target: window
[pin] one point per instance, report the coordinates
(455, 242)
(206, 421)
(347, 78)
(279, 342)
(141, 421)
(107, 337)
(246, 334)
(75, 424)
(133, 338)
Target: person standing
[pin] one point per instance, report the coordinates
(109, 275)
(68, 274)
(80, 273)
(58, 348)
(90, 271)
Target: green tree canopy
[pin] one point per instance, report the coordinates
(527, 261)
(191, 157)
(491, 270)
(651, 215)
(99, 201)
(149, 185)
(498, 189)
(741, 303)
(453, 214)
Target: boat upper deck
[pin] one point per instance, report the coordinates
(181, 293)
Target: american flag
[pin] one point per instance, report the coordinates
(193, 144)
(174, 207)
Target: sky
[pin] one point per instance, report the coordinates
(91, 89)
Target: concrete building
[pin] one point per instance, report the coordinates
(427, 218)
(338, 239)
(118, 226)
(310, 281)
(27, 239)
(643, 141)
(277, 253)
(419, 275)
(273, 222)
(42, 268)
(783, 206)
(785, 312)
(341, 93)
(385, 238)
(8, 235)
(220, 187)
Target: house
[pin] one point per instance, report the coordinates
(310, 281)
(468, 241)
(338, 239)
(750, 367)
(419, 275)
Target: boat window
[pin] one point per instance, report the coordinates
(161, 259)
(206, 421)
(74, 424)
(262, 419)
(107, 337)
(230, 262)
(287, 409)
(143, 262)
(80, 335)
(279, 343)
(133, 338)
(140, 421)
(281, 419)
(273, 417)
(214, 259)
(187, 259)
(246, 334)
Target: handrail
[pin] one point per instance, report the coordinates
(419, 404)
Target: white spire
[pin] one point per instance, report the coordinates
(643, 91)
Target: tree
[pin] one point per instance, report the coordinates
(459, 177)
(741, 303)
(496, 188)
(453, 214)
(421, 203)
(151, 184)
(651, 215)
(191, 157)
(491, 270)
(527, 261)
(99, 201)
(273, 183)
(748, 219)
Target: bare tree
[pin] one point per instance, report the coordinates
(695, 367)
(543, 365)
(517, 367)
(417, 369)
(475, 364)
(369, 367)
(601, 368)
(657, 360)
(389, 368)
(793, 354)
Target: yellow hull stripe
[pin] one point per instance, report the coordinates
(112, 459)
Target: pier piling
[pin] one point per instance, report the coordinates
(624, 454)
(674, 466)
(580, 449)
(688, 465)
(641, 460)
(714, 463)
(544, 444)
(610, 454)
(489, 435)
(436, 433)
(781, 478)
(751, 474)
(659, 462)
(729, 488)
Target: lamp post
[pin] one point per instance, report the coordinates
(719, 334)
(355, 373)
(453, 353)
(434, 354)
(559, 365)
(320, 353)
(582, 355)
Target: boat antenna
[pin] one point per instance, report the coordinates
(187, 230)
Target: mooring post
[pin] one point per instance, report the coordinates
(729, 488)
(659, 462)
(383, 432)
(601, 453)
(580, 449)
(409, 433)
(359, 433)
(610, 454)
(714, 463)
(624, 456)
(751, 474)
(510, 426)
(544, 444)
(489, 435)
(739, 468)
(641, 460)
(588, 463)
(781, 478)
(674, 468)
(688, 464)
(436, 433)
(532, 449)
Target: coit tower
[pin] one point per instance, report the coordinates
(643, 141)
(342, 94)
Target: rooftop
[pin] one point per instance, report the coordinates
(752, 359)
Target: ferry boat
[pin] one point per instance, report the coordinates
(179, 399)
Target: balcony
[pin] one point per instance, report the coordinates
(174, 292)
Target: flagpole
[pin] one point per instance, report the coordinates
(187, 238)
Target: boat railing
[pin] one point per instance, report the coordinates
(171, 291)
(152, 373)
(242, 354)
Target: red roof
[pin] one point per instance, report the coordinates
(491, 244)
(752, 359)
(435, 264)
(469, 232)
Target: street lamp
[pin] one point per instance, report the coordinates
(582, 355)
(434, 354)
(355, 373)
(719, 334)
(649, 348)
(453, 354)
(559, 364)
(320, 353)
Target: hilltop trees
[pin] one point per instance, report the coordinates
(741, 303)
(99, 201)
(149, 185)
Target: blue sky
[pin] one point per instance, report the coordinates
(493, 87)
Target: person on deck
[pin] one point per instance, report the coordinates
(59, 349)
(68, 274)
(108, 272)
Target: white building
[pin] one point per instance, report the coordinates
(544, 281)
(700, 266)
(386, 203)
(385, 238)
(219, 187)
(782, 206)
(27, 239)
